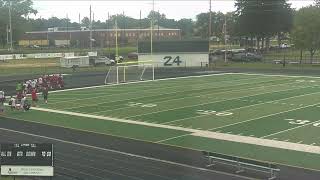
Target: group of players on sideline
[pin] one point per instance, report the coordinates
(42, 84)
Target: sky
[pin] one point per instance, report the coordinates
(174, 9)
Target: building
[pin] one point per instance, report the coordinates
(101, 37)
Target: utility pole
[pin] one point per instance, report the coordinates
(90, 27)
(10, 24)
(124, 37)
(151, 33)
(139, 26)
(210, 21)
(117, 52)
(138, 32)
(108, 35)
(158, 25)
(225, 37)
(68, 33)
(7, 29)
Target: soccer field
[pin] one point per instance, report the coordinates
(265, 117)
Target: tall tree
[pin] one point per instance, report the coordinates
(20, 9)
(263, 18)
(305, 33)
(218, 20)
(186, 26)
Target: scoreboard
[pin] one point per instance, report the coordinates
(181, 53)
(26, 159)
(175, 59)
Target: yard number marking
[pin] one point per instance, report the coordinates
(168, 59)
(301, 122)
(135, 104)
(301, 80)
(211, 112)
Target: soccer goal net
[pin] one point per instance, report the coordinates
(130, 73)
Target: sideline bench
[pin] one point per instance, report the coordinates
(241, 163)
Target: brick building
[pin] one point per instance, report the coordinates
(102, 37)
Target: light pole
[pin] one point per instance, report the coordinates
(225, 37)
(90, 26)
(10, 26)
(210, 21)
(151, 33)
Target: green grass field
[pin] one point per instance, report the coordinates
(263, 117)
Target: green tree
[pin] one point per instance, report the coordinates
(20, 9)
(217, 22)
(305, 33)
(263, 19)
(186, 26)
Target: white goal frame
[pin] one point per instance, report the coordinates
(144, 66)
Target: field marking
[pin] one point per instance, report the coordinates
(278, 75)
(221, 136)
(110, 85)
(188, 96)
(152, 90)
(181, 107)
(266, 115)
(171, 92)
(175, 137)
(267, 102)
(113, 119)
(124, 153)
(185, 77)
(260, 142)
(291, 129)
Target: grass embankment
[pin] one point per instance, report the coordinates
(49, 66)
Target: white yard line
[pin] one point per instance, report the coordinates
(176, 137)
(290, 129)
(242, 107)
(107, 85)
(180, 107)
(202, 133)
(113, 119)
(174, 99)
(266, 115)
(277, 75)
(186, 77)
(135, 93)
(260, 142)
(171, 92)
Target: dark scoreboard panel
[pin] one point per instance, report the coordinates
(26, 154)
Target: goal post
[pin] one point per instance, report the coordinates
(130, 73)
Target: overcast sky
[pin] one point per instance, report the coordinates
(173, 9)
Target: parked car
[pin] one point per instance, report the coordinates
(284, 45)
(34, 46)
(246, 57)
(104, 61)
(133, 55)
(117, 59)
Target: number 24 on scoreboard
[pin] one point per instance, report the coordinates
(169, 60)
